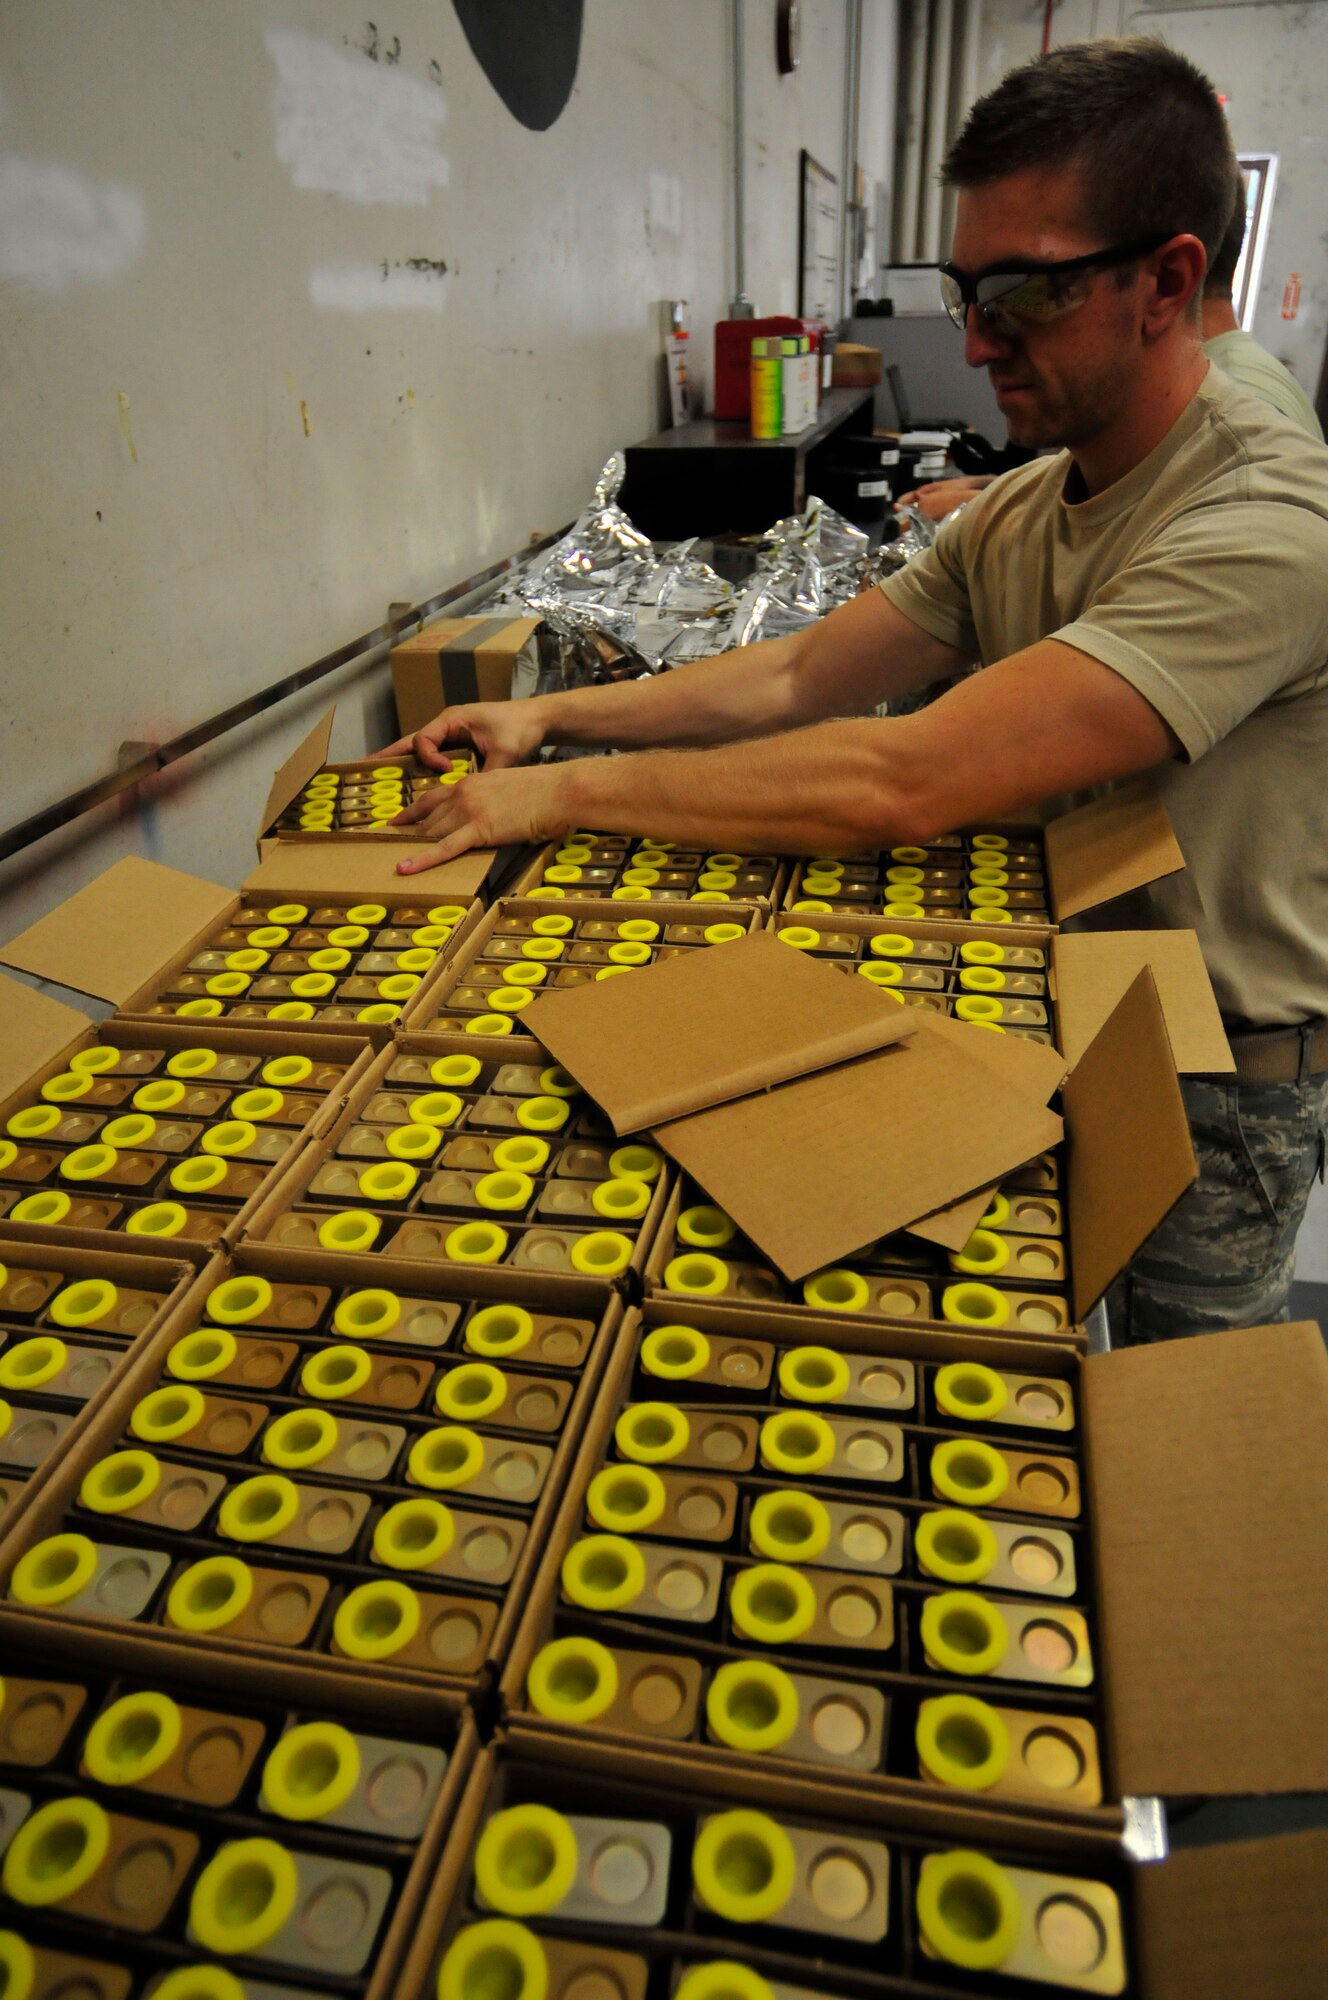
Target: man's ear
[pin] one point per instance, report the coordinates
(1177, 273)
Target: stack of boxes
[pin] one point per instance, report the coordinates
(442, 1553)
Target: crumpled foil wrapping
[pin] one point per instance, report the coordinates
(616, 607)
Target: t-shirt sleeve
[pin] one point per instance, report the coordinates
(932, 590)
(1221, 612)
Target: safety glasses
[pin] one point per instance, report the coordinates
(1008, 295)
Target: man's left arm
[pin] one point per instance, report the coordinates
(1045, 721)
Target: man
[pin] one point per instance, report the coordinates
(1239, 354)
(1149, 599)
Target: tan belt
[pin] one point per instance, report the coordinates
(1281, 1055)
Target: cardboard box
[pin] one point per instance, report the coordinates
(1093, 853)
(172, 1280)
(569, 1291)
(304, 762)
(593, 910)
(101, 1434)
(39, 1034)
(845, 1151)
(1209, 1620)
(108, 1662)
(530, 875)
(125, 935)
(855, 366)
(460, 660)
(1228, 1922)
(1088, 972)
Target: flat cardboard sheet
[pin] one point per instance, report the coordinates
(1210, 1488)
(1034, 1066)
(1243, 1920)
(110, 938)
(360, 868)
(709, 1027)
(1108, 847)
(827, 1163)
(1094, 968)
(304, 761)
(34, 1028)
(1130, 1157)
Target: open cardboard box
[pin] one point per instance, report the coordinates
(595, 910)
(1227, 1923)
(1094, 852)
(101, 1433)
(465, 877)
(109, 1660)
(1126, 1157)
(531, 875)
(39, 1034)
(1204, 1482)
(570, 1291)
(125, 935)
(173, 1280)
(1088, 972)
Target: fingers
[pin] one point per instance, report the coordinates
(427, 750)
(457, 842)
(421, 808)
(400, 748)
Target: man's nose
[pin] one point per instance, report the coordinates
(983, 343)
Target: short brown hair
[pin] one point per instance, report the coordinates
(1142, 122)
(1222, 264)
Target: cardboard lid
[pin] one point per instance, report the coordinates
(1108, 847)
(304, 762)
(829, 1162)
(1094, 968)
(337, 867)
(1242, 1920)
(1033, 1066)
(1210, 1492)
(1130, 1158)
(710, 1026)
(109, 938)
(34, 1028)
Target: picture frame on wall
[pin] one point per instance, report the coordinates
(818, 241)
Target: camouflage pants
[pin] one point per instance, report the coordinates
(1225, 1254)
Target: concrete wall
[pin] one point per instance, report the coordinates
(1270, 62)
(297, 320)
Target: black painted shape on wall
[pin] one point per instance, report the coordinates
(528, 49)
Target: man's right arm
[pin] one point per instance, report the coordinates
(845, 664)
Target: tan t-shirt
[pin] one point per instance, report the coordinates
(1202, 579)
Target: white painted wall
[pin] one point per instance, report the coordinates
(1270, 62)
(235, 422)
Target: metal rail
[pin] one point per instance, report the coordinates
(159, 755)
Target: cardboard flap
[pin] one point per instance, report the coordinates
(110, 938)
(1130, 1155)
(710, 1026)
(1210, 1493)
(304, 762)
(359, 868)
(1094, 968)
(33, 1030)
(1032, 1066)
(1242, 1920)
(1108, 847)
(829, 1162)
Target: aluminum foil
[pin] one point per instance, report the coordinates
(616, 607)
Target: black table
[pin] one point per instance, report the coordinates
(708, 478)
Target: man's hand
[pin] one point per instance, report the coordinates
(501, 733)
(941, 496)
(492, 809)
